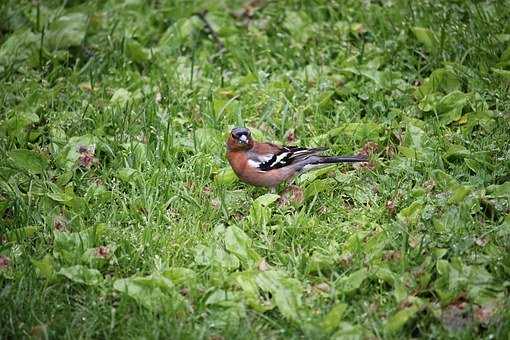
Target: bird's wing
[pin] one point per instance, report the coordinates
(267, 157)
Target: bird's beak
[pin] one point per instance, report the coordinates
(243, 139)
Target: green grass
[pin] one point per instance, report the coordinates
(120, 217)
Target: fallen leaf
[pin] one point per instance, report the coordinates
(345, 260)
(481, 241)
(39, 331)
(86, 86)
(60, 223)
(215, 203)
(484, 314)
(390, 206)
(290, 137)
(4, 262)
(291, 195)
(102, 251)
(321, 287)
(263, 265)
(456, 317)
(392, 255)
(369, 149)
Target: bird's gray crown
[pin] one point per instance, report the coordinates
(240, 131)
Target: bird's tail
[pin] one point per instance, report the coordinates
(341, 159)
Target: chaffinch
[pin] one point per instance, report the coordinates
(267, 164)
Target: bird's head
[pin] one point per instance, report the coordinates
(240, 139)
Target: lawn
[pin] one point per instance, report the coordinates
(121, 218)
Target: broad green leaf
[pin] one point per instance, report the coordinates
(505, 74)
(374, 246)
(319, 186)
(20, 234)
(501, 190)
(320, 261)
(81, 274)
(179, 34)
(385, 274)
(137, 150)
(180, 275)
(121, 97)
(354, 242)
(355, 131)
(222, 297)
(226, 308)
(137, 52)
(44, 267)
(259, 214)
(455, 100)
(28, 160)
(70, 247)
(440, 80)
(398, 320)
(16, 126)
(266, 200)
(298, 24)
(426, 37)
(442, 267)
(455, 277)
(450, 106)
(325, 101)
(348, 331)
(452, 220)
(415, 137)
(67, 197)
(61, 196)
(70, 153)
(239, 244)
(155, 292)
(457, 152)
(215, 256)
(482, 118)
(439, 252)
(247, 282)
(66, 31)
(98, 257)
(474, 165)
(411, 214)
(310, 176)
(206, 139)
(127, 174)
(286, 292)
(401, 291)
(353, 281)
(459, 194)
(332, 320)
(225, 176)
(20, 47)
(444, 180)
(504, 60)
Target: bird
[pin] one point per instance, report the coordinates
(268, 164)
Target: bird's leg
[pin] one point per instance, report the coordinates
(273, 190)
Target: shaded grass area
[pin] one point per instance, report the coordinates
(121, 218)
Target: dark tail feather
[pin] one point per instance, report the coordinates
(342, 159)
